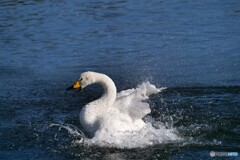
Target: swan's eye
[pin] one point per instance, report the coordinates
(81, 79)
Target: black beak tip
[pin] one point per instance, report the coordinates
(69, 88)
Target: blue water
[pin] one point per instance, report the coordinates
(191, 47)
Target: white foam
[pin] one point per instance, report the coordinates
(138, 139)
(147, 136)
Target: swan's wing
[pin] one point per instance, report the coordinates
(125, 92)
(131, 101)
(137, 110)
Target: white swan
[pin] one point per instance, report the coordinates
(113, 112)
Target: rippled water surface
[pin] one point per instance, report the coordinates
(190, 47)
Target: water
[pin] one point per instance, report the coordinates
(190, 47)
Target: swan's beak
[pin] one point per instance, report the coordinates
(77, 85)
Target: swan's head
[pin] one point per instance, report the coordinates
(84, 80)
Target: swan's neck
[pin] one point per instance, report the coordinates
(110, 91)
(89, 113)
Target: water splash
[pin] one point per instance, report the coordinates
(147, 136)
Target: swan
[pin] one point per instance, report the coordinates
(113, 112)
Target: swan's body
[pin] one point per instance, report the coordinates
(114, 112)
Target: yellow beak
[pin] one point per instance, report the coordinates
(75, 86)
